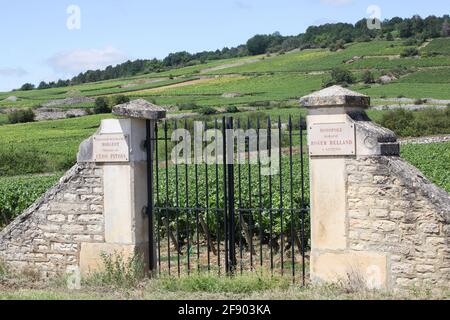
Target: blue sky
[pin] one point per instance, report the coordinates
(37, 44)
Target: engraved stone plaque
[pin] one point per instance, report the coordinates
(332, 139)
(111, 148)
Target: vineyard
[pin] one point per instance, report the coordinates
(245, 88)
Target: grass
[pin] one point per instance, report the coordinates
(207, 287)
(439, 46)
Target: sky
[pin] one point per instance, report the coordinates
(47, 39)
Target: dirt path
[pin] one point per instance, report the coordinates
(176, 85)
(229, 65)
(425, 44)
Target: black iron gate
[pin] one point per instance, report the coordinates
(241, 204)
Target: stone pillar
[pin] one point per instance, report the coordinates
(338, 130)
(119, 147)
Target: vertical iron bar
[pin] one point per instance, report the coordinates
(260, 192)
(167, 192)
(302, 204)
(230, 169)
(188, 231)
(197, 218)
(291, 190)
(240, 199)
(217, 194)
(177, 206)
(250, 197)
(269, 148)
(225, 196)
(208, 236)
(149, 145)
(158, 213)
(281, 194)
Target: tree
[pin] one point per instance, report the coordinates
(340, 76)
(446, 29)
(101, 106)
(120, 99)
(258, 44)
(27, 87)
(43, 85)
(406, 29)
(389, 37)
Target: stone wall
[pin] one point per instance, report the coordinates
(395, 211)
(47, 237)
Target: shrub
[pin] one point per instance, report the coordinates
(259, 104)
(419, 101)
(368, 77)
(232, 109)
(206, 111)
(120, 99)
(120, 272)
(340, 44)
(188, 106)
(21, 116)
(102, 106)
(406, 123)
(409, 52)
(339, 76)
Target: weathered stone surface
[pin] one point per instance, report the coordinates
(47, 237)
(408, 225)
(140, 109)
(86, 151)
(335, 96)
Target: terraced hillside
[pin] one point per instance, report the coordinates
(275, 77)
(259, 85)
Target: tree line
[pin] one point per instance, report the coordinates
(333, 36)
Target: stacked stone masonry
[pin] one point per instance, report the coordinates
(394, 210)
(47, 237)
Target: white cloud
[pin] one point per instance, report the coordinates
(80, 60)
(337, 3)
(12, 72)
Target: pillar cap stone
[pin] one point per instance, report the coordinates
(335, 96)
(140, 109)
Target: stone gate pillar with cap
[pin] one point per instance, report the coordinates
(119, 147)
(338, 131)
